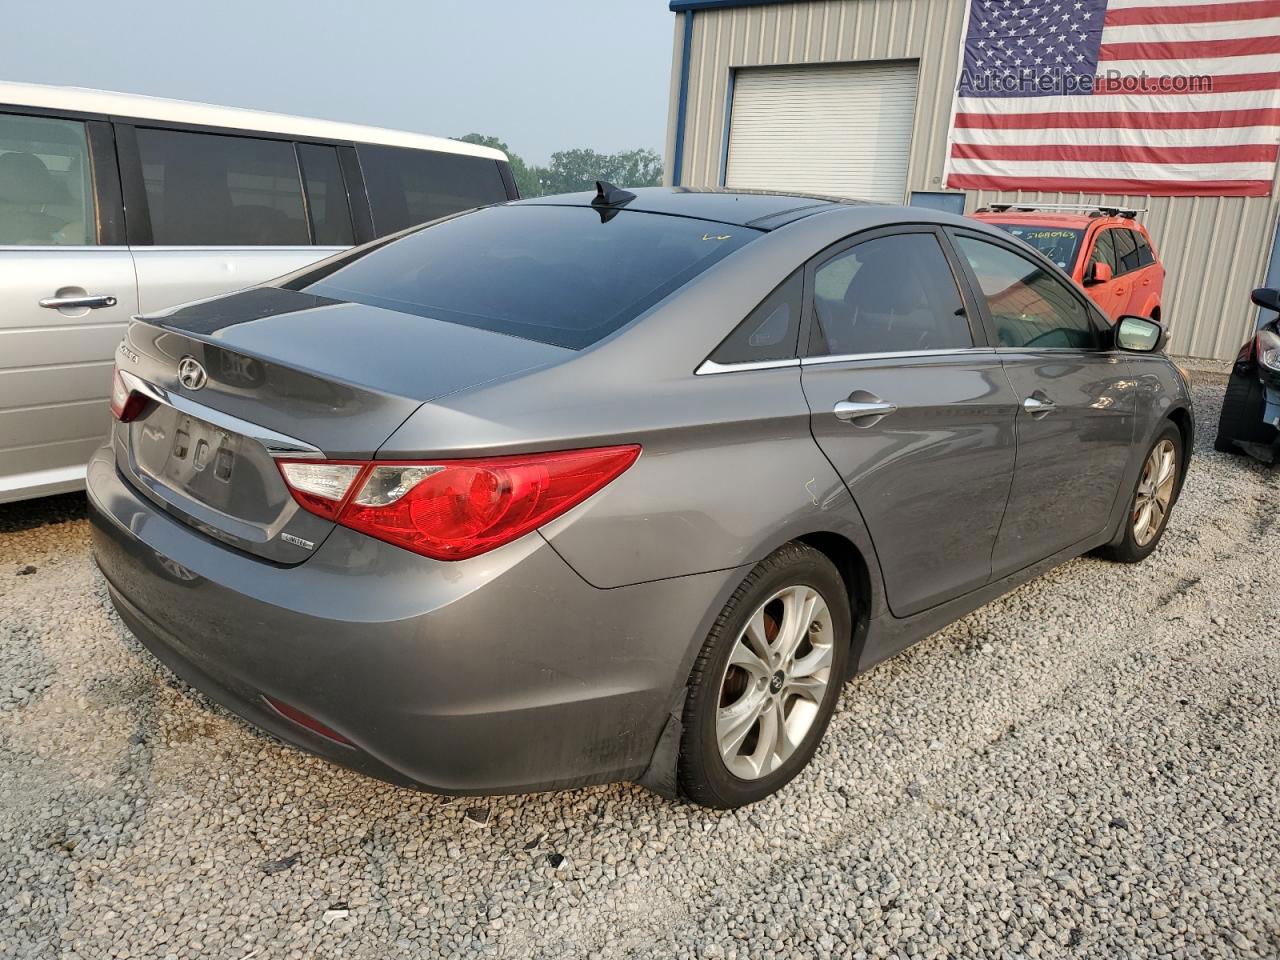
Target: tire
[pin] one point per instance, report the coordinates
(778, 590)
(1136, 541)
(1241, 418)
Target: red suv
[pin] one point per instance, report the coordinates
(1104, 249)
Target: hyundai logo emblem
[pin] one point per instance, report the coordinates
(190, 374)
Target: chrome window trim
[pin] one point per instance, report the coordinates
(1007, 350)
(276, 444)
(897, 355)
(242, 248)
(710, 366)
(56, 247)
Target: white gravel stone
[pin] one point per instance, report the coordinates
(1086, 767)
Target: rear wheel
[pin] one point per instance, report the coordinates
(1152, 501)
(1241, 418)
(766, 681)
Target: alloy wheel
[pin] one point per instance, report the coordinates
(775, 681)
(1155, 492)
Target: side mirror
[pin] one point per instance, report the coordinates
(1139, 334)
(1099, 273)
(1267, 299)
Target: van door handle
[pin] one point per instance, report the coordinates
(1038, 406)
(92, 301)
(851, 410)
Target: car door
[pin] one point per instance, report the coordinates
(912, 409)
(1076, 421)
(212, 212)
(68, 290)
(1128, 273)
(1148, 278)
(1109, 295)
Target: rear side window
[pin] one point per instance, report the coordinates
(408, 186)
(326, 194)
(772, 329)
(567, 276)
(1029, 306)
(208, 189)
(888, 295)
(1146, 256)
(1126, 250)
(46, 197)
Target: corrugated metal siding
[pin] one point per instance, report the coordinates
(1215, 248)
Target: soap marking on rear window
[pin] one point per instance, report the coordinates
(722, 236)
(1046, 234)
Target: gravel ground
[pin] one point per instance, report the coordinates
(1087, 767)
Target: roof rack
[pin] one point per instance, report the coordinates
(1093, 209)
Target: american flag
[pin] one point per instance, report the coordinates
(1143, 97)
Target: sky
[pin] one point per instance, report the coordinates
(542, 76)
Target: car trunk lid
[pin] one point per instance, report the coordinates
(276, 373)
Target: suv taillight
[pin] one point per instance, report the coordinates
(453, 509)
(126, 404)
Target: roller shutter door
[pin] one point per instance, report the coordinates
(838, 129)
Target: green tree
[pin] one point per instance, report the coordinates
(578, 169)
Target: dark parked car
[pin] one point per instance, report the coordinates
(1250, 420)
(616, 486)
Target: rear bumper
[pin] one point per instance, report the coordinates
(506, 673)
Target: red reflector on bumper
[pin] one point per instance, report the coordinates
(306, 720)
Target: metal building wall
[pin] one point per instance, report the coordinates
(1215, 248)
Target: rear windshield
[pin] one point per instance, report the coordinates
(1059, 244)
(566, 276)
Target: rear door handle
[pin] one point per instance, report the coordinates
(850, 410)
(1038, 406)
(92, 301)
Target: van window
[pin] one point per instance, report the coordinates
(212, 190)
(326, 195)
(413, 186)
(46, 196)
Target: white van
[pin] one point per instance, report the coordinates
(112, 205)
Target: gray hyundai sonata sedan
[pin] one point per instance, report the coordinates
(616, 485)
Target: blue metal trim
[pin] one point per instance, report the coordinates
(682, 105)
(682, 6)
(728, 119)
(1273, 274)
(948, 201)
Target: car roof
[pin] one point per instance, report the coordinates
(108, 103)
(1074, 220)
(1046, 219)
(743, 208)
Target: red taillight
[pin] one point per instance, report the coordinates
(453, 509)
(126, 404)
